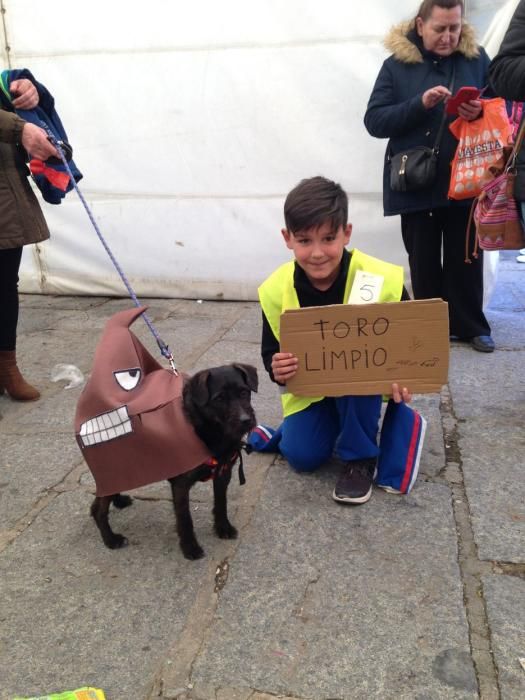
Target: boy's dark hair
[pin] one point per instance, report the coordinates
(426, 7)
(313, 202)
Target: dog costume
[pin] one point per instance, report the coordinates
(129, 423)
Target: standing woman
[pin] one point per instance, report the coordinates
(432, 53)
(507, 76)
(21, 223)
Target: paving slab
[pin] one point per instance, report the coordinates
(29, 466)
(495, 488)
(318, 595)
(505, 598)
(488, 400)
(74, 613)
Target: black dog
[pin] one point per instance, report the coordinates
(217, 403)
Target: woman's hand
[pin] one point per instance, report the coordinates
(400, 396)
(25, 94)
(434, 96)
(284, 366)
(36, 143)
(470, 110)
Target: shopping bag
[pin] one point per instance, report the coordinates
(495, 211)
(483, 145)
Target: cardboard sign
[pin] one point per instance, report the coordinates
(348, 349)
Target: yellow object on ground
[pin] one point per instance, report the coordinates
(80, 694)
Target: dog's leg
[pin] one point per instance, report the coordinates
(223, 527)
(99, 511)
(120, 501)
(180, 490)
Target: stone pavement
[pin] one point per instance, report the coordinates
(419, 597)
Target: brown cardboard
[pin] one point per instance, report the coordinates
(360, 349)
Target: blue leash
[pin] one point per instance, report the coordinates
(163, 347)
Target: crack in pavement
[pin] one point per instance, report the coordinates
(471, 567)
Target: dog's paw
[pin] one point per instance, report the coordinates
(192, 551)
(120, 501)
(226, 531)
(117, 542)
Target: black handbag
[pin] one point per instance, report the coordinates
(416, 168)
(413, 170)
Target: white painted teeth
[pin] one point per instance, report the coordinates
(105, 427)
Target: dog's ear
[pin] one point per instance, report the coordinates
(249, 374)
(200, 393)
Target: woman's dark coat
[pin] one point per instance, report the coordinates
(21, 219)
(507, 77)
(395, 109)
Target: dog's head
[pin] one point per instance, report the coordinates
(218, 403)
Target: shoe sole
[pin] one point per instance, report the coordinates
(355, 501)
(479, 349)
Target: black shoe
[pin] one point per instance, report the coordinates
(482, 343)
(355, 483)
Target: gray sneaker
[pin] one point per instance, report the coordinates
(355, 483)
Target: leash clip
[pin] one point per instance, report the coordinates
(172, 364)
(64, 152)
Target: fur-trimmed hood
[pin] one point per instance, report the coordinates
(403, 48)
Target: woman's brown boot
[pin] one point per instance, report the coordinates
(12, 380)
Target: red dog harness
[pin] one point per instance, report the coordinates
(216, 469)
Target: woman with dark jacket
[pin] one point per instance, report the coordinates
(432, 55)
(21, 223)
(507, 77)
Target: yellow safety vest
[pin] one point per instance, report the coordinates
(277, 294)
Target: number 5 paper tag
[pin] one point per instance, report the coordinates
(366, 288)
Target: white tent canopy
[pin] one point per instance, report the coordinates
(191, 122)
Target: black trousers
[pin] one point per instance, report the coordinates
(435, 243)
(9, 267)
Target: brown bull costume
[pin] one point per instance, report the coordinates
(129, 422)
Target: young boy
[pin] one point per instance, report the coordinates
(317, 231)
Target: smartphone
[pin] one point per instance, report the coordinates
(464, 94)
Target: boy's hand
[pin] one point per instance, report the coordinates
(400, 396)
(284, 366)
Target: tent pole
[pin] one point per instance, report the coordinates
(7, 48)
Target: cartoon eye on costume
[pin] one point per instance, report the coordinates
(128, 379)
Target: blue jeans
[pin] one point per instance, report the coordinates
(347, 426)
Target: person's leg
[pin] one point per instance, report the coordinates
(308, 437)
(463, 281)
(9, 266)
(357, 445)
(521, 257)
(422, 238)
(11, 379)
(359, 426)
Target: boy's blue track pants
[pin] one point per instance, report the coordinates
(347, 426)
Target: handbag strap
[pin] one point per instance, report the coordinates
(511, 163)
(435, 147)
(444, 117)
(516, 116)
